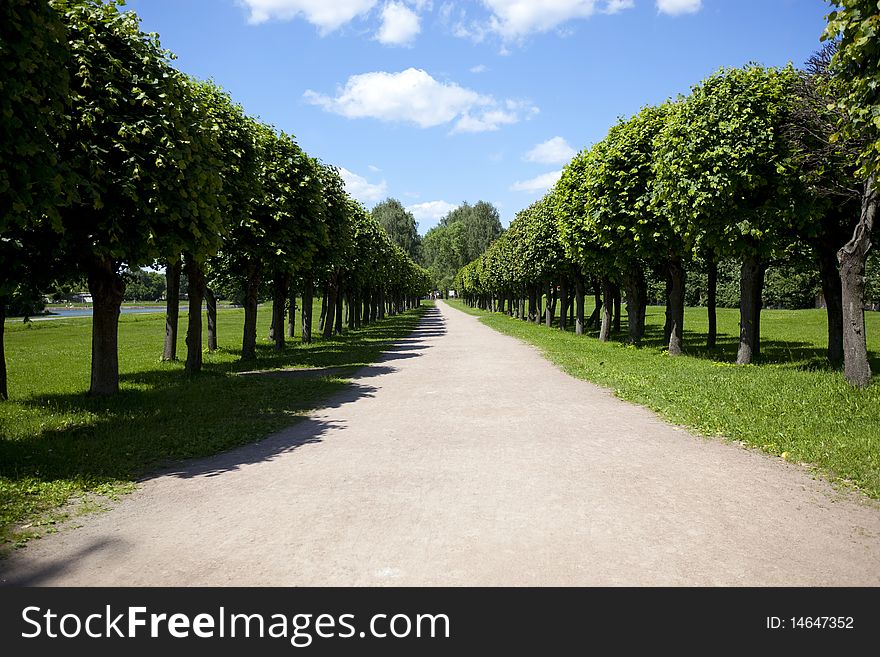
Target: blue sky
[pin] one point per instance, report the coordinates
(436, 102)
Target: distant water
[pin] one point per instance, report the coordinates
(65, 313)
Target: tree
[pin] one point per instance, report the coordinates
(829, 164)
(144, 192)
(727, 179)
(33, 97)
(400, 226)
(615, 187)
(856, 66)
(579, 240)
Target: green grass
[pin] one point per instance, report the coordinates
(789, 403)
(58, 445)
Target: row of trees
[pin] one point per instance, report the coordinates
(110, 159)
(756, 164)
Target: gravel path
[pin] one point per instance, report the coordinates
(464, 458)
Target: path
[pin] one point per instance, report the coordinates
(464, 458)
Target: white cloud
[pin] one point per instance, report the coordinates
(373, 168)
(400, 25)
(479, 68)
(676, 7)
(515, 19)
(430, 212)
(361, 189)
(537, 184)
(615, 6)
(413, 96)
(326, 16)
(552, 151)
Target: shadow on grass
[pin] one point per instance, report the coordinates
(161, 416)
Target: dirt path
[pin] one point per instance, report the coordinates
(464, 458)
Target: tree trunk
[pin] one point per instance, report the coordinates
(308, 294)
(579, 302)
(856, 367)
(563, 304)
(616, 308)
(711, 302)
(351, 314)
(107, 288)
(634, 283)
(675, 308)
(291, 314)
(667, 326)
(195, 289)
(381, 314)
(323, 318)
(280, 292)
(751, 285)
(548, 307)
(172, 309)
(533, 304)
(4, 392)
(368, 302)
(339, 310)
(330, 313)
(607, 309)
(832, 290)
(594, 320)
(251, 300)
(211, 304)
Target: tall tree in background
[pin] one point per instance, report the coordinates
(856, 66)
(400, 226)
(461, 237)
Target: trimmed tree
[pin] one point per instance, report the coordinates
(856, 66)
(727, 180)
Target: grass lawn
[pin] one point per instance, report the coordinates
(790, 404)
(57, 444)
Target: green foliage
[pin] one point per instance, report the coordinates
(855, 24)
(463, 234)
(726, 179)
(400, 226)
(143, 160)
(34, 61)
(33, 93)
(606, 197)
(144, 285)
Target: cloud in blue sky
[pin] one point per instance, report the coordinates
(537, 184)
(430, 213)
(414, 96)
(326, 16)
(400, 25)
(361, 189)
(552, 151)
(676, 7)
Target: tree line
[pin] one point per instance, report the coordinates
(112, 159)
(759, 165)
